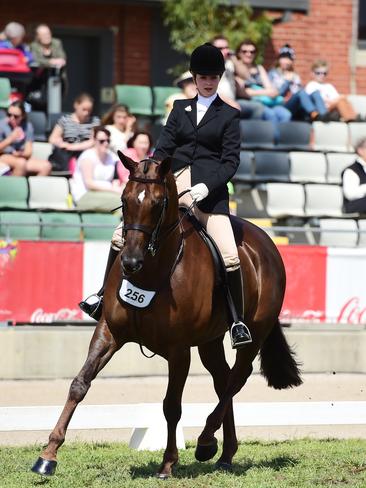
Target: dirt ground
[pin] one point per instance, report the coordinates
(316, 387)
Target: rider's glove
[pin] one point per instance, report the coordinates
(198, 192)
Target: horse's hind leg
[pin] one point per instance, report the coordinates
(101, 349)
(179, 361)
(213, 358)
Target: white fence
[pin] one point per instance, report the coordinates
(149, 426)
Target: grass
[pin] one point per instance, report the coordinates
(296, 464)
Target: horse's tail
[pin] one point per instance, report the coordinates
(278, 364)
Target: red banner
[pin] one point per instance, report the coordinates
(40, 281)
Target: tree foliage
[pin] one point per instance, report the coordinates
(193, 22)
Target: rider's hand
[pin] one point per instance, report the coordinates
(198, 192)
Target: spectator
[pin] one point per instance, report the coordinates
(229, 90)
(121, 125)
(72, 133)
(138, 148)
(188, 90)
(354, 181)
(14, 35)
(288, 84)
(258, 85)
(332, 99)
(94, 186)
(16, 140)
(47, 51)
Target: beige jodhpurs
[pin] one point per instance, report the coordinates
(218, 226)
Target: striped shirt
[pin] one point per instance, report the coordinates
(73, 131)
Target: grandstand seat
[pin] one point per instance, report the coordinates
(51, 121)
(322, 200)
(13, 192)
(251, 201)
(65, 226)
(308, 167)
(285, 199)
(39, 123)
(331, 136)
(338, 232)
(99, 219)
(294, 135)
(138, 98)
(336, 163)
(25, 225)
(245, 168)
(357, 130)
(362, 232)
(271, 166)
(5, 91)
(256, 134)
(160, 94)
(359, 103)
(41, 150)
(49, 192)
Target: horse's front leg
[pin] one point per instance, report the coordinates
(179, 361)
(212, 355)
(101, 349)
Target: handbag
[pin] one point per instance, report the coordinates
(60, 158)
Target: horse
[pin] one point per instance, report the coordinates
(163, 252)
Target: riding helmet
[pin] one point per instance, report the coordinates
(207, 60)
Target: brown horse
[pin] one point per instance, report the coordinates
(162, 252)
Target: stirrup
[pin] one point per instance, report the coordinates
(92, 305)
(239, 335)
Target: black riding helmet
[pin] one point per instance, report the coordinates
(207, 60)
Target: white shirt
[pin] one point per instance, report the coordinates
(351, 183)
(203, 104)
(327, 91)
(227, 86)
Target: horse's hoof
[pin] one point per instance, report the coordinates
(44, 467)
(222, 466)
(162, 476)
(204, 453)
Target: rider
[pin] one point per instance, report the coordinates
(202, 136)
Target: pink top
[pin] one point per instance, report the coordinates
(123, 172)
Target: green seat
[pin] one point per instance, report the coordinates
(13, 191)
(27, 225)
(65, 226)
(108, 221)
(160, 94)
(138, 98)
(5, 90)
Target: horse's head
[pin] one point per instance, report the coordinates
(144, 208)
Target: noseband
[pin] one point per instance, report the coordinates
(152, 233)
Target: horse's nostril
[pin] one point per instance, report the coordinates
(131, 264)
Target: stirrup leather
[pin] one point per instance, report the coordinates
(240, 336)
(91, 304)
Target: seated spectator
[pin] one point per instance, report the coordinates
(72, 134)
(232, 93)
(138, 148)
(16, 141)
(332, 99)
(288, 84)
(93, 185)
(354, 182)
(188, 90)
(258, 85)
(13, 39)
(121, 125)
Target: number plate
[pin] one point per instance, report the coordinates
(135, 296)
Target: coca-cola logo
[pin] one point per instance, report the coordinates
(305, 315)
(40, 316)
(352, 312)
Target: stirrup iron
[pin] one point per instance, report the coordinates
(241, 336)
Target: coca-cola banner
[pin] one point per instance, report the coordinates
(42, 282)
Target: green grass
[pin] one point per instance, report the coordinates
(296, 464)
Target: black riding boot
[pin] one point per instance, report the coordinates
(93, 305)
(239, 332)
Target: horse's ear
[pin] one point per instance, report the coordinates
(127, 162)
(165, 166)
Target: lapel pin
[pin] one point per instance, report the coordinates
(188, 108)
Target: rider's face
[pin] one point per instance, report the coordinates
(207, 84)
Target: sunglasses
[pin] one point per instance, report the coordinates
(222, 47)
(248, 51)
(324, 73)
(16, 116)
(103, 141)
